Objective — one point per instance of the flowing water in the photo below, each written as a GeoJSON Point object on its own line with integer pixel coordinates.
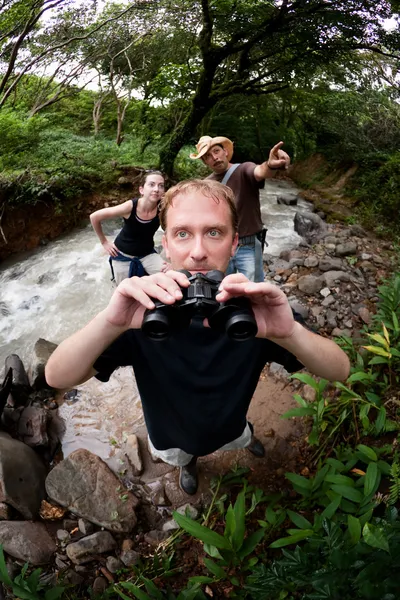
{"type": "Point", "coordinates": [55, 290]}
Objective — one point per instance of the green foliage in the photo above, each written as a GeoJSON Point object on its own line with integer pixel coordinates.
{"type": "Point", "coordinates": [20, 137]}
{"type": "Point", "coordinates": [27, 587]}
{"type": "Point", "coordinates": [360, 563]}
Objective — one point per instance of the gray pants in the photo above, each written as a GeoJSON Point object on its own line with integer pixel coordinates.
{"type": "Point", "coordinates": [179, 458]}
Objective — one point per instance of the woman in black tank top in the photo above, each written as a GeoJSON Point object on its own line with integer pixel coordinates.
{"type": "Point", "coordinates": [133, 249]}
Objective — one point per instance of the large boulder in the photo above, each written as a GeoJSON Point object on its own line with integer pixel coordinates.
{"type": "Point", "coordinates": [41, 354]}
{"type": "Point", "coordinates": [309, 226]}
{"type": "Point", "coordinates": [27, 541]}
{"type": "Point", "coordinates": [22, 477]}
{"type": "Point", "coordinates": [87, 487]}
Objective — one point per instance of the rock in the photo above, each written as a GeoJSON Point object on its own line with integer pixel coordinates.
{"type": "Point", "coordinates": [287, 199]}
{"type": "Point", "coordinates": [188, 510]}
{"type": "Point", "coordinates": [357, 231]}
{"type": "Point", "coordinates": [311, 261]}
{"type": "Point", "coordinates": [156, 493]}
{"type": "Point", "coordinates": [85, 527]}
{"type": "Point", "coordinates": [298, 307]}
{"type": "Point", "coordinates": [20, 387]}
{"type": "Point", "coordinates": [5, 512]}
{"type": "Point", "coordinates": [85, 484]}
{"type": "Point", "coordinates": [341, 332]}
{"type": "Point", "coordinates": [346, 249]}
{"type": "Point", "coordinates": [325, 292]}
{"type": "Point", "coordinates": [41, 354]}
{"type": "Point", "coordinates": [132, 450]}
{"type": "Point", "coordinates": [309, 226]}
{"type": "Point", "coordinates": [32, 426]}
{"type": "Point", "coordinates": [328, 301]}
{"type": "Point", "coordinates": [129, 557]}
{"type": "Point", "coordinates": [331, 319]}
{"type": "Point", "coordinates": [328, 263]}
{"type": "Point", "coordinates": [155, 537]}
{"type": "Point", "coordinates": [330, 277]}
{"type": "Point", "coordinates": [365, 315]}
{"type": "Point", "coordinates": [113, 564]}
{"type": "Point", "coordinates": [22, 477]}
{"type": "Point", "coordinates": [84, 550]}
{"type": "Point", "coordinates": [100, 585]}
{"type": "Point", "coordinates": [308, 393]}
{"type": "Point", "coordinates": [27, 541]}
{"type": "Point", "coordinates": [368, 267]}
{"type": "Point", "coordinates": [72, 578]}
{"type": "Point", "coordinates": [63, 535]}
{"type": "Point", "coordinates": [170, 525]}
{"type": "Point", "coordinates": [310, 284]}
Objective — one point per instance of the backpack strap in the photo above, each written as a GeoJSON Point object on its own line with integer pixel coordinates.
{"type": "Point", "coordinates": [229, 172]}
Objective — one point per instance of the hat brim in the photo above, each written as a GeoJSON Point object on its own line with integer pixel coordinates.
{"type": "Point", "coordinates": [226, 143]}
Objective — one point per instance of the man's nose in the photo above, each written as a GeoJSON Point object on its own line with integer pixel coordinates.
{"type": "Point", "coordinates": [198, 251]}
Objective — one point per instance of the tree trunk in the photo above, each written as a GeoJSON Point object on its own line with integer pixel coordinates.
{"type": "Point", "coordinates": [201, 105]}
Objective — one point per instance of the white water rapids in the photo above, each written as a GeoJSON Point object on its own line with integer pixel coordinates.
{"type": "Point", "coordinates": [55, 290]}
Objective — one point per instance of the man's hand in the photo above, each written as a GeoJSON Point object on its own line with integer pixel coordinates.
{"type": "Point", "coordinates": [110, 248]}
{"type": "Point", "coordinates": [270, 306]}
{"type": "Point", "coordinates": [278, 159]}
{"type": "Point", "coordinates": [131, 298]}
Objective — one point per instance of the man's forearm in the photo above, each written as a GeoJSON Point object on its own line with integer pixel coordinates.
{"type": "Point", "coordinates": [263, 171]}
{"type": "Point", "coordinates": [319, 355]}
{"type": "Point", "coordinates": [72, 361]}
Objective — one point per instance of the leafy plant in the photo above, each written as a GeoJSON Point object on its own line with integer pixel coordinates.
{"type": "Point", "coordinates": [27, 587]}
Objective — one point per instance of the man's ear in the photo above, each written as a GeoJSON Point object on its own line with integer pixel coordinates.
{"type": "Point", "coordinates": [165, 246]}
{"type": "Point", "coordinates": [235, 242]}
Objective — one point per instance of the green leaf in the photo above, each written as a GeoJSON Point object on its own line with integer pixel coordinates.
{"type": "Point", "coordinates": [300, 400]}
{"type": "Point", "coordinates": [250, 543]}
{"type": "Point", "coordinates": [305, 378]}
{"type": "Point", "coordinates": [340, 479]}
{"type": "Point", "coordinates": [214, 568]}
{"type": "Point", "coordinates": [33, 580]}
{"type": "Point", "coordinates": [348, 492]}
{"type": "Point", "coordinates": [372, 478]}
{"type": "Point", "coordinates": [380, 420]}
{"type": "Point", "coordinates": [240, 515]}
{"type": "Point", "coordinates": [270, 515]}
{"type": "Point", "coordinates": [133, 589]}
{"type": "Point", "coordinates": [299, 480]}
{"type": "Point", "coordinates": [152, 588]}
{"type": "Point", "coordinates": [354, 528]}
{"type": "Point", "coordinates": [299, 521]}
{"type": "Point", "coordinates": [298, 412]}
{"type": "Point", "coordinates": [378, 338]}
{"type": "Point", "coordinates": [359, 376]}
{"type": "Point", "coordinates": [332, 507]}
{"type": "Point", "coordinates": [368, 452]}
{"type": "Point", "coordinates": [230, 523]}
{"type": "Point", "coordinates": [339, 466]}
{"type": "Point", "coordinates": [4, 576]}
{"type": "Point", "coordinates": [200, 579]}
{"type": "Point", "coordinates": [373, 536]}
{"type": "Point", "coordinates": [378, 360]}
{"type": "Point", "coordinates": [202, 533]}
{"type": "Point", "coordinates": [54, 593]}
{"type": "Point", "coordinates": [212, 551]}
{"type": "Point", "coordinates": [292, 539]}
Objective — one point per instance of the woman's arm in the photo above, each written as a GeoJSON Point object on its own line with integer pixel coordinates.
{"type": "Point", "coordinates": [96, 218]}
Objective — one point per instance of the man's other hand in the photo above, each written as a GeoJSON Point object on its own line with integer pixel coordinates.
{"type": "Point", "coordinates": [270, 306]}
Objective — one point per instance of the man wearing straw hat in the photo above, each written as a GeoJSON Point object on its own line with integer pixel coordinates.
{"type": "Point", "coordinates": [246, 180]}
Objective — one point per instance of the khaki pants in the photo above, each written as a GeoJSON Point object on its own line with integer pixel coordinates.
{"type": "Point", "coordinates": [152, 263]}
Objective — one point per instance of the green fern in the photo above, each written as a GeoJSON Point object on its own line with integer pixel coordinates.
{"type": "Point", "coordinates": [394, 489]}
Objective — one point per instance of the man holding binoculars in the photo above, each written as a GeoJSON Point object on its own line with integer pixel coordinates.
{"type": "Point", "coordinates": [196, 382]}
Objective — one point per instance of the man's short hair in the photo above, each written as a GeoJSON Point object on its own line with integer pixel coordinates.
{"type": "Point", "coordinates": [207, 187]}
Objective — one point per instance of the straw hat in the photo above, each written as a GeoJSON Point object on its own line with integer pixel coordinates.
{"type": "Point", "coordinates": [206, 142]}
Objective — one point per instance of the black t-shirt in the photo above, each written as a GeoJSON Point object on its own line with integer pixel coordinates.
{"type": "Point", "coordinates": [136, 238]}
{"type": "Point", "coordinates": [196, 386]}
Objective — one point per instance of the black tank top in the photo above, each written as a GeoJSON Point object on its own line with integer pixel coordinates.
{"type": "Point", "coordinates": [136, 237]}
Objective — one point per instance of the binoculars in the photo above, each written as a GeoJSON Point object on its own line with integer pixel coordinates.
{"type": "Point", "coordinates": [234, 317]}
